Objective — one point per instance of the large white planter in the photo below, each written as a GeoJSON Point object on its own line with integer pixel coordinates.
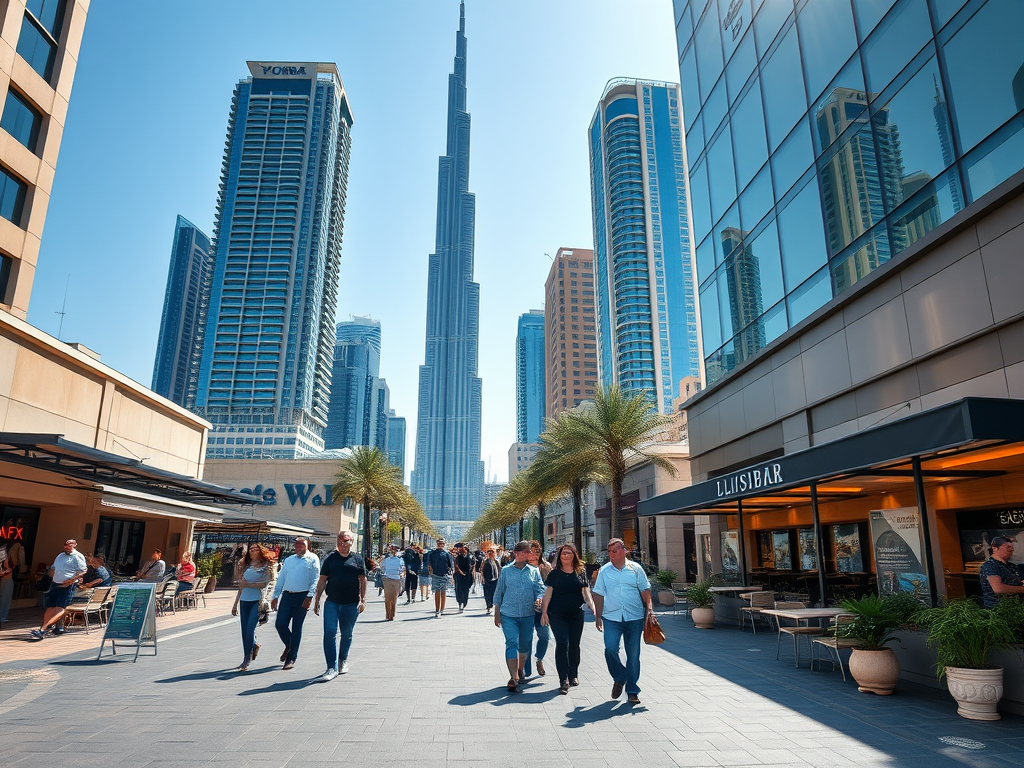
{"type": "Point", "coordinates": [875, 671]}
{"type": "Point", "coordinates": [977, 691]}
{"type": "Point", "coordinates": [703, 618]}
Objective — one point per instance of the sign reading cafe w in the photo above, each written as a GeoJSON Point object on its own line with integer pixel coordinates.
{"type": "Point", "coordinates": [754, 479]}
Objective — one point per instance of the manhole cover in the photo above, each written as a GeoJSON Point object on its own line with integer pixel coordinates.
{"type": "Point", "coordinates": [16, 675]}
{"type": "Point", "coordinates": [959, 741]}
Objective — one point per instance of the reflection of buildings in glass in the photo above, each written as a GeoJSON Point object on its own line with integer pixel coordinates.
{"type": "Point", "coordinates": [924, 217]}
{"type": "Point", "coordinates": [941, 113]}
{"type": "Point", "coordinates": [743, 278]}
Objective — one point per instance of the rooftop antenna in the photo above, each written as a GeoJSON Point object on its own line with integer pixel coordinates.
{"type": "Point", "coordinates": [63, 306]}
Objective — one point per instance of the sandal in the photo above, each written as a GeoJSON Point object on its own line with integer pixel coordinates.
{"type": "Point", "coordinates": [243, 668]}
{"type": "Point", "coordinates": [564, 687]}
{"type": "Point", "coordinates": [255, 650]}
{"type": "Point", "coordinates": [513, 685]}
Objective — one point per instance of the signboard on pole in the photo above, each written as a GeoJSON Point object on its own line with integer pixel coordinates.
{"type": "Point", "coordinates": [898, 545]}
{"type": "Point", "coordinates": [132, 619]}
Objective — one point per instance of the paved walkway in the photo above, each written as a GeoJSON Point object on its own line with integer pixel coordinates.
{"type": "Point", "coordinates": [430, 692]}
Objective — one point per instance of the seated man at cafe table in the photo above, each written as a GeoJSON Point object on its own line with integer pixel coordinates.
{"type": "Point", "coordinates": [153, 569]}
{"type": "Point", "coordinates": [998, 575]}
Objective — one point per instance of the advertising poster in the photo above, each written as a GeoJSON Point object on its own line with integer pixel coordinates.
{"type": "Point", "coordinates": [765, 549]}
{"type": "Point", "coordinates": [847, 543]}
{"type": "Point", "coordinates": [730, 551]}
{"type": "Point", "coordinates": [808, 553]}
{"type": "Point", "coordinates": [783, 558]}
{"type": "Point", "coordinates": [899, 552]}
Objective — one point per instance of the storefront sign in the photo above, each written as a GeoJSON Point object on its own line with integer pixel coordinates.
{"type": "Point", "coordinates": [755, 479]}
{"type": "Point", "coordinates": [899, 546]}
{"type": "Point", "coordinates": [299, 494]}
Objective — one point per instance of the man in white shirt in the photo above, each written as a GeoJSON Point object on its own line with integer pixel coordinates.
{"type": "Point", "coordinates": [393, 568]}
{"type": "Point", "coordinates": [622, 603]}
{"type": "Point", "coordinates": [293, 594]}
{"type": "Point", "coordinates": [67, 570]}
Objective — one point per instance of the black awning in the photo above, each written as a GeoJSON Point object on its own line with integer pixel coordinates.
{"type": "Point", "coordinates": [53, 453]}
{"type": "Point", "coordinates": [951, 426]}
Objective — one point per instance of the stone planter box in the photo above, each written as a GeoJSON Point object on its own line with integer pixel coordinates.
{"type": "Point", "coordinates": [917, 663]}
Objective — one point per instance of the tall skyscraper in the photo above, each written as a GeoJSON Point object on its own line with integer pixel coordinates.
{"type": "Point", "coordinates": [570, 330]}
{"type": "Point", "coordinates": [449, 476]}
{"type": "Point", "coordinates": [530, 403]}
{"type": "Point", "coordinates": [646, 307]}
{"type": "Point", "coordinates": [266, 370]}
{"type": "Point", "coordinates": [359, 401]}
{"type": "Point", "coordinates": [396, 441]}
{"type": "Point", "coordinates": [179, 349]}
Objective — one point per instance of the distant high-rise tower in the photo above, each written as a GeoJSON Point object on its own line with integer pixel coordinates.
{"type": "Point", "coordinates": [530, 405]}
{"type": "Point", "coordinates": [359, 402]}
{"type": "Point", "coordinates": [646, 307]}
{"type": "Point", "coordinates": [266, 369]}
{"type": "Point", "coordinates": [179, 349]}
{"type": "Point", "coordinates": [396, 441]}
{"type": "Point", "coordinates": [570, 329]}
{"type": "Point", "coordinates": [449, 476]}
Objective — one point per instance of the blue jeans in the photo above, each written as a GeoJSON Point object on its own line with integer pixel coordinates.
{"type": "Point", "coordinates": [543, 638]}
{"type": "Point", "coordinates": [290, 612]}
{"type": "Point", "coordinates": [338, 617]}
{"type": "Point", "coordinates": [629, 633]}
{"type": "Point", "coordinates": [518, 633]}
{"type": "Point", "coordinates": [248, 612]}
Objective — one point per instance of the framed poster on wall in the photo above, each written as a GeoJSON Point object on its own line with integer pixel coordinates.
{"type": "Point", "coordinates": [765, 549]}
{"type": "Point", "coordinates": [808, 552]}
{"type": "Point", "coordinates": [780, 545]}
{"type": "Point", "coordinates": [730, 551]}
{"type": "Point", "coordinates": [846, 540]}
{"type": "Point", "coordinates": [898, 545]}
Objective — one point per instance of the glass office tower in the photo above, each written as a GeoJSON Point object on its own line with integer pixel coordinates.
{"type": "Point", "coordinates": [359, 403]}
{"type": "Point", "coordinates": [646, 312]}
{"type": "Point", "coordinates": [449, 476]}
{"type": "Point", "coordinates": [827, 137]}
{"type": "Point", "coordinates": [396, 441]}
{"type": "Point", "coordinates": [266, 369]}
{"type": "Point", "coordinates": [179, 349]}
{"type": "Point", "coordinates": [530, 399]}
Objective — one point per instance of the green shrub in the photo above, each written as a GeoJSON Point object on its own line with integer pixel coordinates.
{"type": "Point", "coordinates": [665, 577]}
{"type": "Point", "coordinates": [700, 595]}
{"type": "Point", "coordinates": [209, 564]}
{"type": "Point", "coordinates": [963, 633]}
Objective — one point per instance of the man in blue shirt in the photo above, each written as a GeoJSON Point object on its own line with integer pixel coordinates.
{"type": "Point", "coordinates": [293, 594]}
{"type": "Point", "coordinates": [66, 571]}
{"type": "Point", "coordinates": [394, 572]}
{"type": "Point", "coordinates": [998, 575]}
{"type": "Point", "coordinates": [516, 600]}
{"type": "Point", "coordinates": [622, 603]}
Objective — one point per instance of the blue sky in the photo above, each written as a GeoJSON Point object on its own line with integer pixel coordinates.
{"type": "Point", "coordinates": [145, 135]}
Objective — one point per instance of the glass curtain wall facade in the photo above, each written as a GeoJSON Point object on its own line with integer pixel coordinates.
{"type": "Point", "coordinates": [179, 348]}
{"type": "Point", "coordinates": [266, 370]}
{"type": "Point", "coordinates": [396, 441]}
{"type": "Point", "coordinates": [825, 137]}
{"type": "Point", "coordinates": [646, 309]}
{"type": "Point", "coordinates": [449, 476]}
{"type": "Point", "coordinates": [359, 402]}
{"type": "Point", "coordinates": [530, 400]}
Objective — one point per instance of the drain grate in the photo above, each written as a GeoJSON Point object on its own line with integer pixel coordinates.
{"type": "Point", "coordinates": [19, 675]}
{"type": "Point", "coordinates": [960, 741]}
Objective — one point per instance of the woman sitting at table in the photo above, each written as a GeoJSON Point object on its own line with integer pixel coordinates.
{"type": "Point", "coordinates": [186, 573]}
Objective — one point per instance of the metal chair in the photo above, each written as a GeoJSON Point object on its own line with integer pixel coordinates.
{"type": "Point", "coordinates": [833, 642]}
{"type": "Point", "coordinates": [94, 604]}
{"type": "Point", "coordinates": [758, 602]}
{"type": "Point", "coordinates": [166, 597]}
{"type": "Point", "coordinates": [796, 632]}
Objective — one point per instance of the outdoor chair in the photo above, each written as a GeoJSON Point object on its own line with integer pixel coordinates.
{"type": "Point", "coordinates": [796, 632]}
{"type": "Point", "coordinates": [94, 605]}
{"type": "Point", "coordinates": [676, 603]}
{"type": "Point", "coordinates": [833, 643]}
{"type": "Point", "coordinates": [190, 597]}
{"type": "Point", "coordinates": [758, 602]}
{"type": "Point", "coordinates": [165, 596]}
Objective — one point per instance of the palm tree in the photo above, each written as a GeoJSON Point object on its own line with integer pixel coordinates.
{"type": "Point", "coordinates": [605, 436]}
{"type": "Point", "coordinates": [368, 477]}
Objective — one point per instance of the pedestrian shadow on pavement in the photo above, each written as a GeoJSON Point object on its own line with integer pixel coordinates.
{"type": "Point", "coordinates": [581, 716]}
{"type": "Point", "coordinates": [218, 674]}
{"type": "Point", "coordinates": [291, 685]}
{"type": "Point", "coordinates": [90, 662]}
{"type": "Point", "coordinates": [500, 696]}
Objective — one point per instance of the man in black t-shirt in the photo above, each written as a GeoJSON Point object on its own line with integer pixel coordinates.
{"type": "Point", "coordinates": [343, 577]}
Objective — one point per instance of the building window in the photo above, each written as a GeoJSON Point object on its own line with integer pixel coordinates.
{"type": "Point", "coordinates": [40, 30]}
{"type": "Point", "coordinates": [12, 197]}
{"type": "Point", "coordinates": [21, 120]}
{"type": "Point", "coordinates": [5, 275]}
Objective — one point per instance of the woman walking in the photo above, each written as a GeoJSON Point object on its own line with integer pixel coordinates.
{"type": "Point", "coordinates": [424, 575]}
{"type": "Point", "coordinates": [489, 573]}
{"type": "Point", "coordinates": [463, 575]}
{"type": "Point", "coordinates": [256, 575]}
{"type": "Point", "coordinates": [536, 559]}
{"type": "Point", "coordinates": [562, 609]}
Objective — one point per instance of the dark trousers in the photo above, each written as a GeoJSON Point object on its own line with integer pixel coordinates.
{"type": "Point", "coordinates": [248, 613]}
{"type": "Point", "coordinates": [410, 584]}
{"type": "Point", "coordinates": [462, 585]}
{"type": "Point", "coordinates": [489, 587]}
{"type": "Point", "coordinates": [568, 630]}
{"type": "Point", "coordinates": [290, 616]}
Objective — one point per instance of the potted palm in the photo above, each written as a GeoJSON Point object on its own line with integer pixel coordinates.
{"type": "Point", "coordinates": [963, 635]}
{"type": "Point", "coordinates": [871, 626]}
{"type": "Point", "coordinates": [664, 579]}
{"type": "Point", "coordinates": [702, 604]}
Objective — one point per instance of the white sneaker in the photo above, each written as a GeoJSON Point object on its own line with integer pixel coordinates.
{"type": "Point", "coordinates": [344, 668]}
{"type": "Point", "coordinates": [437, 614]}
{"type": "Point", "coordinates": [329, 675]}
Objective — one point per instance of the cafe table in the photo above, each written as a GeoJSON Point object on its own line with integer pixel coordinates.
{"type": "Point", "coordinates": [728, 611]}
{"type": "Point", "coordinates": [755, 588]}
{"type": "Point", "coordinates": [801, 616]}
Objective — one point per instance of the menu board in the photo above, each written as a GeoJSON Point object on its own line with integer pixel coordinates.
{"type": "Point", "coordinates": [896, 535]}
{"type": "Point", "coordinates": [132, 618]}
{"type": "Point", "coordinates": [846, 539]}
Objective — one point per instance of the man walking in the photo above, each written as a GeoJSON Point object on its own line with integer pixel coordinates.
{"type": "Point", "coordinates": [413, 563]}
{"type": "Point", "coordinates": [516, 598]}
{"type": "Point", "coordinates": [66, 571]}
{"type": "Point", "coordinates": [343, 577]}
{"type": "Point", "coordinates": [441, 567]}
{"type": "Point", "coordinates": [393, 567]}
{"type": "Point", "coordinates": [622, 603]}
{"type": "Point", "coordinates": [293, 594]}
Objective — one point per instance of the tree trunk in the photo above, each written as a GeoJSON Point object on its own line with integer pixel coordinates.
{"type": "Point", "coordinates": [367, 529]}
{"type": "Point", "coordinates": [616, 503]}
{"type": "Point", "coordinates": [577, 516]}
{"type": "Point", "coordinates": [540, 525]}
